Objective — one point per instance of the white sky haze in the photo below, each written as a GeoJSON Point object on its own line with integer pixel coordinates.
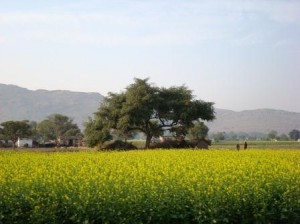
{"type": "Point", "coordinates": [239, 54]}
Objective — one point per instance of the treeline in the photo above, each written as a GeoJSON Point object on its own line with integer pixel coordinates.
{"type": "Point", "coordinates": [293, 135]}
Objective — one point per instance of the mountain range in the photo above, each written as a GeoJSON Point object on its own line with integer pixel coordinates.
{"type": "Point", "coordinates": [259, 120]}
{"type": "Point", "coordinates": [17, 103]}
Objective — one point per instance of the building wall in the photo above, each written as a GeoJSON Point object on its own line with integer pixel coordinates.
{"type": "Point", "coordinates": [24, 142]}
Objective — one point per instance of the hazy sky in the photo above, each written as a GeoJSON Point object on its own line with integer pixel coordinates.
{"type": "Point", "coordinates": [239, 54]}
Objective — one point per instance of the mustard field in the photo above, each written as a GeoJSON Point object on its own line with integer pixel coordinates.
{"type": "Point", "coordinates": [155, 186]}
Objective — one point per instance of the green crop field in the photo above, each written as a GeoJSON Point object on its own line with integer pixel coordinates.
{"type": "Point", "coordinates": [151, 186]}
{"type": "Point", "coordinates": [251, 144]}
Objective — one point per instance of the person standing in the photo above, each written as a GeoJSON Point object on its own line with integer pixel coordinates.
{"type": "Point", "coordinates": [238, 146]}
{"type": "Point", "coordinates": [245, 145]}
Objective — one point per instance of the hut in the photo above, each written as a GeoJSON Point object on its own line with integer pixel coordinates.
{"type": "Point", "coordinates": [70, 141]}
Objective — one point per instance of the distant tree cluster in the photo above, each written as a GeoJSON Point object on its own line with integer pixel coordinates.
{"type": "Point", "coordinates": [272, 135]}
{"type": "Point", "coordinates": [55, 126]}
{"type": "Point", "coordinates": [293, 135]}
{"type": "Point", "coordinates": [233, 136]}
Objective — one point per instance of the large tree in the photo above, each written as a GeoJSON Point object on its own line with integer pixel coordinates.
{"type": "Point", "coordinates": [12, 130]}
{"type": "Point", "coordinates": [57, 125]}
{"type": "Point", "coordinates": [152, 110]}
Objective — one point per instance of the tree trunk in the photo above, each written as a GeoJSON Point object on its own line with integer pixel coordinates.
{"type": "Point", "coordinates": [148, 140]}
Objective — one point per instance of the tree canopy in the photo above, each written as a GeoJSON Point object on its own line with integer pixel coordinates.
{"type": "Point", "coordinates": [294, 134]}
{"type": "Point", "coordinates": [149, 109]}
{"type": "Point", "coordinates": [273, 134]}
{"type": "Point", "coordinates": [12, 130]}
{"type": "Point", "coordinates": [57, 125]}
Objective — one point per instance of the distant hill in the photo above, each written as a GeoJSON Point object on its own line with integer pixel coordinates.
{"type": "Point", "coordinates": [260, 120]}
{"type": "Point", "coordinates": [18, 103]}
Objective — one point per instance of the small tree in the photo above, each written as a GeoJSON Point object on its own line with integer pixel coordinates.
{"type": "Point", "coordinates": [219, 136]}
{"type": "Point", "coordinates": [283, 137]}
{"type": "Point", "coordinates": [57, 125]}
{"type": "Point", "coordinates": [12, 130]}
{"type": "Point", "coordinates": [198, 131]}
{"type": "Point", "coordinates": [272, 135]}
{"type": "Point", "coordinates": [294, 134]}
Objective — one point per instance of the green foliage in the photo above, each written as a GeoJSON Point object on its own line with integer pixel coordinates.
{"type": "Point", "coordinates": [273, 135]}
{"type": "Point", "coordinates": [295, 134]}
{"type": "Point", "coordinates": [12, 130]}
{"type": "Point", "coordinates": [151, 110]}
{"type": "Point", "coordinates": [283, 137]}
{"type": "Point", "coordinates": [96, 133]}
{"type": "Point", "coordinates": [57, 125]}
{"type": "Point", "coordinates": [198, 131]}
{"type": "Point", "coordinates": [46, 130]}
{"type": "Point", "coordinates": [34, 132]}
{"type": "Point", "coordinates": [170, 186]}
{"type": "Point", "coordinates": [219, 136]}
